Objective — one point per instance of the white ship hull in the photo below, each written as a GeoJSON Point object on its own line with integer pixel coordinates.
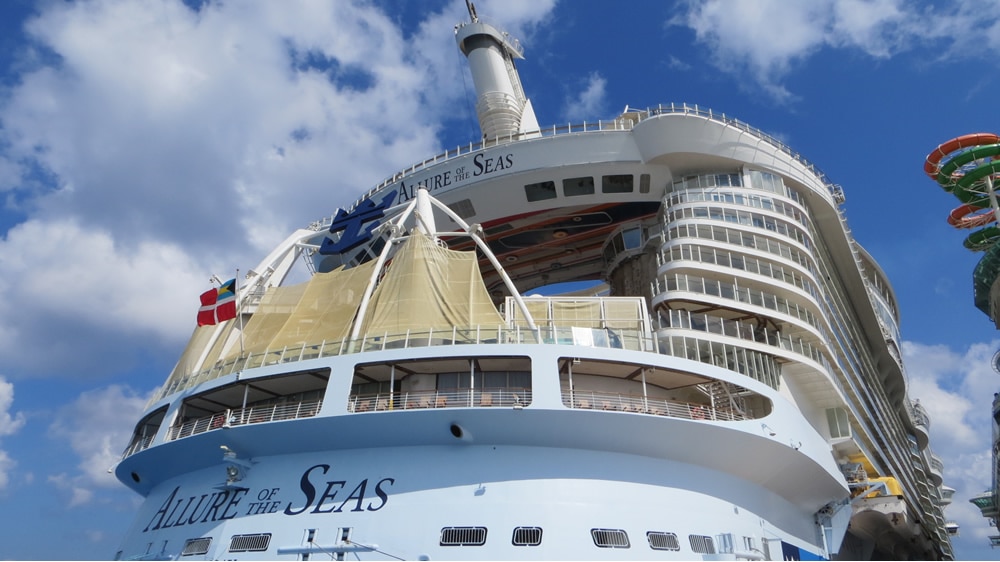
{"type": "Point", "coordinates": [401, 476]}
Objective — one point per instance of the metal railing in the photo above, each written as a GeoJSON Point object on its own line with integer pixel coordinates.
{"type": "Point", "coordinates": [636, 403]}
{"type": "Point", "coordinates": [488, 397]}
{"type": "Point", "coordinates": [137, 445]}
{"type": "Point", "coordinates": [243, 416]}
{"type": "Point", "coordinates": [617, 338]}
{"type": "Point", "coordinates": [626, 122]}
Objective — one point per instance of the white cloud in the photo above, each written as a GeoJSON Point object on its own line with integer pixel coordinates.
{"type": "Point", "coordinates": [768, 39]}
{"type": "Point", "coordinates": [74, 294]}
{"type": "Point", "coordinates": [589, 101]}
{"type": "Point", "coordinates": [956, 388]}
{"type": "Point", "coordinates": [152, 146]}
{"type": "Point", "coordinates": [9, 424]}
{"type": "Point", "coordinates": [7, 465]}
{"type": "Point", "coordinates": [96, 427]}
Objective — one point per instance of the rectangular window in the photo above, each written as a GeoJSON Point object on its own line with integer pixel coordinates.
{"type": "Point", "coordinates": [527, 536]}
{"type": "Point", "coordinates": [463, 208]}
{"type": "Point", "coordinates": [463, 536]}
{"type": "Point", "coordinates": [250, 543]}
{"type": "Point", "coordinates": [578, 186]}
{"type": "Point", "coordinates": [663, 541]}
{"type": "Point", "coordinates": [540, 191]}
{"type": "Point", "coordinates": [194, 547]}
{"type": "Point", "coordinates": [632, 238]}
{"type": "Point", "coordinates": [701, 544]}
{"type": "Point", "coordinates": [620, 183]}
{"type": "Point", "coordinates": [840, 425]}
{"type": "Point", "coordinates": [644, 183]}
{"type": "Point", "coordinates": [610, 538]}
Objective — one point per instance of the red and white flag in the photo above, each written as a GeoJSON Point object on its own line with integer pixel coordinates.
{"type": "Point", "coordinates": [218, 305]}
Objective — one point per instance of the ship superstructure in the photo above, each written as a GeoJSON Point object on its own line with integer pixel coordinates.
{"type": "Point", "coordinates": [734, 390]}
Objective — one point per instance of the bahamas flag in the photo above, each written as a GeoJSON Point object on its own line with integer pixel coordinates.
{"type": "Point", "coordinates": [218, 305]}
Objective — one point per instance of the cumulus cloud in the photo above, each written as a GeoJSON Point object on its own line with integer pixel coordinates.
{"type": "Point", "coordinates": [766, 40]}
{"type": "Point", "coordinates": [96, 427]}
{"type": "Point", "coordinates": [151, 145]}
{"type": "Point", "coordinates": [589, 101]}
{"type": "Point", "coordinates": [10, 423]}
{"type": "Point", "coordinates": [956, 388]}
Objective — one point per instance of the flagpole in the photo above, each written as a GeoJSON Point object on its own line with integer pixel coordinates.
{"type": "Point", "coordinates": [239, 309]}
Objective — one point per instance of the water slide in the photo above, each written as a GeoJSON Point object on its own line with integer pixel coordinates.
{"type": "Point", "coordinates": [966, 167]}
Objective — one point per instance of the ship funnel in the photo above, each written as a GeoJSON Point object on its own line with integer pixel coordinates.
{"type": "Point", "coordinates": [501, 105]}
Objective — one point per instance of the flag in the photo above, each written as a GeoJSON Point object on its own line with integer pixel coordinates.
{"type": "Point", "coordinates": [218, 305]}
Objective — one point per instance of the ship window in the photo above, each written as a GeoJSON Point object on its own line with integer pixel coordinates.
{"type": "Point", "coordinates": [257, 542]}
{"type": "Point", "coordinates": [644, 183]}
{"type": "Point", "coordinates": [527, 536]}
{"type": "Point", "coordinates": [193, 547]}
{"type": "Point", "coordinates": [701, 544]}
{"type": "Point", "coordinates": [619, 183]}
{"type": "Point", "coordinates": [463, 536]}
{"type": "Point", "coordinates": [540, 191]}
{"type": "Point", "coordinates": [463, 208]}
{"type": "Point", "coordinates": [840, 425]}
{"type": "Point", "coordinates": [610, 538]}
{"type": "Point", "coordinates": [632, 238]}
{"type": "Point", "coordinates": [578, 186]}
{"type": "Point", "coordinates": [145, 431]}
{"type": "Point", "coordinates": [663, 541]}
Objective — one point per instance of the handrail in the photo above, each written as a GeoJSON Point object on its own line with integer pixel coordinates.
{"type": "Point", "coordinates": [620, 338]}
{"type": "Point", "coordinates": [626, 122]}
{"type": "Point", "coordinates": [232, 417]}
{"type": "Point", "coordinates": [496, 397]}
{"type": "Point", "coordinates": [637, 403]}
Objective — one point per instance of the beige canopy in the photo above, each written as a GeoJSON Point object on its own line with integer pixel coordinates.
{"type": "Point", "coordinates": [428, 287]}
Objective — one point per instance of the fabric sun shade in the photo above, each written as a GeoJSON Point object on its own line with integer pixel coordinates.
{"type": "Point", "coordinates": [218, 305]}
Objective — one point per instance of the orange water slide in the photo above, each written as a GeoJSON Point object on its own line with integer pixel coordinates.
{"type": "Point", "coordinates": [933, 162]}
{"type": "Point", "coordinates": [970, 216]}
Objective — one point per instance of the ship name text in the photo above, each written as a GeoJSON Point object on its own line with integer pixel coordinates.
{"type": "Point", "coordinates": [337, 496]}
{"type": "Point", "coordinates": [481, 165]}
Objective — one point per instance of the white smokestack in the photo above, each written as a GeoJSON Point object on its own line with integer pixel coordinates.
{"type": "Point", "coordinates": [501, 105]}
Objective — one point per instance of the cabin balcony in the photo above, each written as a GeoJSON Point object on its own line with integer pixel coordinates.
{"type": "Point", "coordinates": [636, 403]}
{"type": "Point", "coordinates": [443, 398]}
{"type": "Point", "coordinates": [244, 416]}
{"type": "Point", "coordinates": [937, 469]}
{"type": "Point", "coordinates": [616, 338]}
{"type": "Point", "coordinates": [921, 423]}
{"type": "Point", "coordinates": [987, 504]}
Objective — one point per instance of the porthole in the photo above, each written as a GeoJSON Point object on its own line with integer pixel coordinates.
{"type": "Point", "coordinates": [610, 538]}
{"type": "Point", "coordinates": [527, 536]}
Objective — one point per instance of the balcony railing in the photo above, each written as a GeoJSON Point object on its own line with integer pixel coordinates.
{"type": "Point", "coordinates": [137, 445]}
{"type": "Point", "coordinates": [626, 122]}
{"type": "Point", "coordinates": [243, 416]}
{"type": "Point", "coordinates": [451, 398]}
{"type": "Point", "coordinates": [636, 403]}
{"type": "Point", "coordinates": [631, 339]}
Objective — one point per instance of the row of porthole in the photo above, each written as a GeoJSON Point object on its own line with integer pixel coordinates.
{"type": "Point", "coordinates": [603, 538]}
{"type": "Point", "coordinates": [256, 542]}
{"type": "Point", "coordinates": [476, 536]}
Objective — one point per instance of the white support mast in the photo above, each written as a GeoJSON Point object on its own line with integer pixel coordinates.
{"type": "Point", "coordinates": [423, 207]}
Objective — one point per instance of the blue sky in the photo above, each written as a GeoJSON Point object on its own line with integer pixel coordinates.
{"type": "Point", "coordinates": [147, 145]}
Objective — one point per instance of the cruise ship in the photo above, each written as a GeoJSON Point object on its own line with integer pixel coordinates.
{"type": "Point", "coordinates": [415, 377]}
